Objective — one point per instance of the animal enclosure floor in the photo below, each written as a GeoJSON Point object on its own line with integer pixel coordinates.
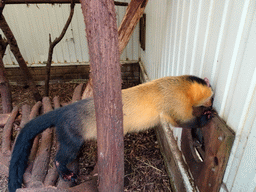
{"type": "Point", "coordinates": [144, 165]}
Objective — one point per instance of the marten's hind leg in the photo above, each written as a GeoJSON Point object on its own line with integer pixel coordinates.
{"type": "Point", "coordinates": [67, 152]}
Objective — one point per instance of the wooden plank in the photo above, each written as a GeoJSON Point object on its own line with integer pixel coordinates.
{"type": "Point", "coordinates": [132, 16]}
{"type": "Point", "coordinates": [218, 140]}
{"type": "Point", "coordinates": [174, 162]}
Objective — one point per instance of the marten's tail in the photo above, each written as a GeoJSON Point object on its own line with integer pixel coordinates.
{"type": "Point", "coordinates": [24, 142]}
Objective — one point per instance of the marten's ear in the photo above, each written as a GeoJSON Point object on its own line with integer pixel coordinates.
{"type": "Point", "coordinates": [207, 82]}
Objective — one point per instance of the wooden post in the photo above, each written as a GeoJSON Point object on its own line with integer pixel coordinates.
{"type": "Point", "coordinates": [102, 36]}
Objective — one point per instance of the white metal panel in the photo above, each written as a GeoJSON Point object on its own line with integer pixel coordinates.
{"type": "Point", "coordinates": [214, 39]}
{"type": "Point", "coordinates": [32, 24]}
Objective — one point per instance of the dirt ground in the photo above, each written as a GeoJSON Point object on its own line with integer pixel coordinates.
{"type": "Point", "coordinates": [144, 166]}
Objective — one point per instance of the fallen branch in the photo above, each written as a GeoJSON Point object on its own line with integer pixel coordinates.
{"type": "Point", "coordinates": [43, 189]}
{"type": "Point", "coordinates": [33, 114]}
{"type": "Point", "coordinates": [52, 45]}
{"type": "Point", "coordinates": [77, 93]}
{"type": "Point", "coordinates": [25, 111]}
{"type": "Point", "coordinates": [88, 186]}
{"type": "Point", "coordinates": [4, 118]}
{"type": "Point", "coordinates": [7, 133]}
{"type": "Point", "coordinates": [5, 87]}
{"type": "Point", "coordinates": [52, 175]}
{"type": "Point", "coordinates": [4, 164]}
{"type": "Point", "coordinates": [40, 166]}
{"type": "Point", "coordinates": [88, 90]}
{"type": "Point", "coordinates": [56, 102]}
{"type": "Point", "coordinates": [27, 175]}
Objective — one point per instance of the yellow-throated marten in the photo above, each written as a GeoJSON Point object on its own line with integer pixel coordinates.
{"type": "Point", "coordinates": [183, 101]}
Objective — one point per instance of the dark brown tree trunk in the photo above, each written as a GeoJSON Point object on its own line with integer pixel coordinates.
{"type": "Point", "coordinates": [53, 44]}
{"type": "Point", "coordinates": [16, 52]}
{"type": "Point", "coordinates": [5, 89]}
{"type": "Point", "coordinates": [102, 36]}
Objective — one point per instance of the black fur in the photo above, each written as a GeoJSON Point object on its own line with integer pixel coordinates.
{"type": "Point", "coordinates": [202, 116]}
{"type": "Point", "coordinates": [196, 79]}
{"type": "Point", "coordinates": [66, 120]}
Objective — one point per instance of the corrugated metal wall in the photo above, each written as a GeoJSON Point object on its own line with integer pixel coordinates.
{"type": "Point", "coordinates": [32, 24]}
{"type": "Point", "coordinates": [214, 39]}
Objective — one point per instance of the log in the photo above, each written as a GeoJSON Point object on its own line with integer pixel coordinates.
{"type": "Point", "coordinates": [7, 132]}
{"type": "Point", "coordinates": [132, 16]}
{"type": "Point", "coordinates": [5, 88]}
{"type": "Point", "coordinates": [102, 36]}
{"type": "Point", "coordinates": [77, 93]}
{"type": "Point", "coordinates": [52, 175]}
{"type": "Point", "coordinates": [88, 90]}
{"type": "Point", "coordinates": [56, 102]}
{"type": "Point", "coordinates": [33, 114]}
{"type": "Point", "coordinates": [4, 164]}
{"type": "Point", "coordinates": [4, 118]}
{"type": "Point", "coordinates": [27, 175]}
{"type": "Point", "coordinates": [88, 186]}
{"type": "Point", "coordinates": [41, 163]}
{"type": "Point", "coordinates": [42, 189]}
{"type": "Point", "coordinates": [25, 112]}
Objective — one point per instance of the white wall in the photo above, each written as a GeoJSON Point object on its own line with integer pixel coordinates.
{"type": "Point", "coordinates": [214, 39]}
{"type": "Point", "coordinates": [32, 24]}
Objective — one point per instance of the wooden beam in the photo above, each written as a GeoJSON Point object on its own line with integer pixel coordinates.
{"type": "Point", "coordinates": [102, 37]}
{"type": "Point", "coordinates": [132, 16]}
{"type": "Point", "coordinates": [117, 3]}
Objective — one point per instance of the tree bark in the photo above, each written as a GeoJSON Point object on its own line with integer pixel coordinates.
{"type": "Point", "coordinates": [53, 175]}
{"type": "Point", "coordinates": [53, 44]}
{"type": "Point", "coordinates": [33, 114]}
{"type": "Point", "coordinates": [5, 89]}
{"type": "Point", "coordinates": [4, 118]}
{"type": "Point", "coordinates": [77, 93]}
{"type": "Point", "coordinates": [40, 166]}
{"type": "Point", "coordinates": [16, 52]}
{"type": "Point", "coordinates": [102, 36]}
{"type": "Point", "coordinates": [7, 133]}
